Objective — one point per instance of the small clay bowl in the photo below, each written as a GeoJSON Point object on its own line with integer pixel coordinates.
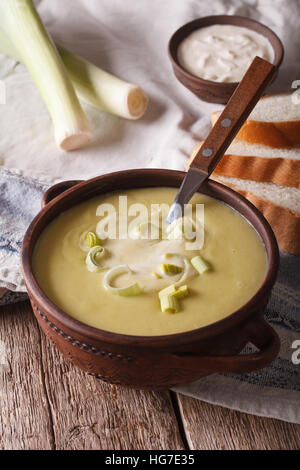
{"type": "Point", "coordinates": [154, 362]}
{"type": "Point", "coordinates": [207, 90]}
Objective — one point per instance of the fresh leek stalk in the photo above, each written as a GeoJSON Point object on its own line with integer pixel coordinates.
{"type": "Point", "coordinates": [6, 46]}
{"type": "Point", "coordinates": [24, 28]}
{"type": "Point", "coordinates": [92, 84]}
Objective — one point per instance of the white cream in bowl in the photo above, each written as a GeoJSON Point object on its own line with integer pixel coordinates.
{"type": "Point", "coordinates": [222, 52]}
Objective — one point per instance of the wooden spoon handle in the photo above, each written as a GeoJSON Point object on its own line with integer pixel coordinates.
{"type": "Point", "coordinates": [234, 115]}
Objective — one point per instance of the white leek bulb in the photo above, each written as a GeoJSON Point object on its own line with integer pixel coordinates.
{"type": "Point", "coordinates": [103, 90]}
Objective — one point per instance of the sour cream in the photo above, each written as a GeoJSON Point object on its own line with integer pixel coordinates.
{"type": "Point", "coordinates": [222, 53]}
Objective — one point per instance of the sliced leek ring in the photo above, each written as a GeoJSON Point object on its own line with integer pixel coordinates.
{"type": "Point", "coordinates": [128, 291]}
{"type": "Point", "coordinates": [92, 239]}
{"type": "Point", "coordinates": [185, 271]}
{"type": "Point", "coordinates": [92, 258]}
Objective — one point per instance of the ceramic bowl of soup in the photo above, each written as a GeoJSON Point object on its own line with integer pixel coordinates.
{"type": "Point", "coordinates": [129, 339]}
{"type": "Point", "coordinates": [209, 55]}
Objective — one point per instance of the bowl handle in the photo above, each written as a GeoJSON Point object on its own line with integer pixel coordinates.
{"type": "Point", "coordinates": [57, 189]}
{"type": "Point", "coordinates": [258, 332]}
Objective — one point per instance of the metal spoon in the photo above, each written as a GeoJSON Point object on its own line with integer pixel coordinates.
{"type": "Point", "coordinates": [238, 108]}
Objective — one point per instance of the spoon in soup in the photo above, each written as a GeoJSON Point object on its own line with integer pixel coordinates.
{"type": "Point", "coordinates": [238, 108]}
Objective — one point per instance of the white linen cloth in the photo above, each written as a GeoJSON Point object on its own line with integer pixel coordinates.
{"type": "Point", "coordinates": [129, 38]}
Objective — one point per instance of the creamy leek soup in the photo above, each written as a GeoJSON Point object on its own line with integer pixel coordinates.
{"type": "Point", "coordinates": [155, 280]}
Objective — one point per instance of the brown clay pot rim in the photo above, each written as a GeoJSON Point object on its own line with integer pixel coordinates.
{"type": "Point", "coordinates": [198, 23]}
{"type": "Point", "coordinates": [150, 341]}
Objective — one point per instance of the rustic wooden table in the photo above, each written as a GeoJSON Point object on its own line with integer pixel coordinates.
{"type": "Point", "coordinates": [46, 403]}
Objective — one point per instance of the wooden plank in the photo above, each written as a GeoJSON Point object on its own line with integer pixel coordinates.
{"type": "Point", "coordinates": [25, 419]}
{"type": "Point", "coordinates": [214, 427]}
{"type": "Point", "coordinates": [89, 414]}
{"type": "Point", "coordinates": [46, 403]}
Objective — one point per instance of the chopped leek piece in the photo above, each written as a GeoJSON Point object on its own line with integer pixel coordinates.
{"type": "Point", "coordinates": [92, 239]}
{"type": "Point", "coordinates": [181, 292]}
{"type": "Point", "coordinates": [200, 264]}
{"type": "Point", "coordinates": [171, 269]}
{"type": "Point", "coordinates": [128, 291]}
{"type": "Point", "coordinates": [169, 304]}
{"type": "Point", "coordinates": [186, 268]}
{"type": "Point", "coordinates": [174, 291]}
{"type": "Point", "coordinates": [169, 298]}
{"type": "Point", "coordinates": [167, 291]}
{"type": "Point", "coordinates": [155, 274]}
{"type": "Point", "coordinates": [24, 28]}
{"type": "Point", "coordinates": [92, 259]}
